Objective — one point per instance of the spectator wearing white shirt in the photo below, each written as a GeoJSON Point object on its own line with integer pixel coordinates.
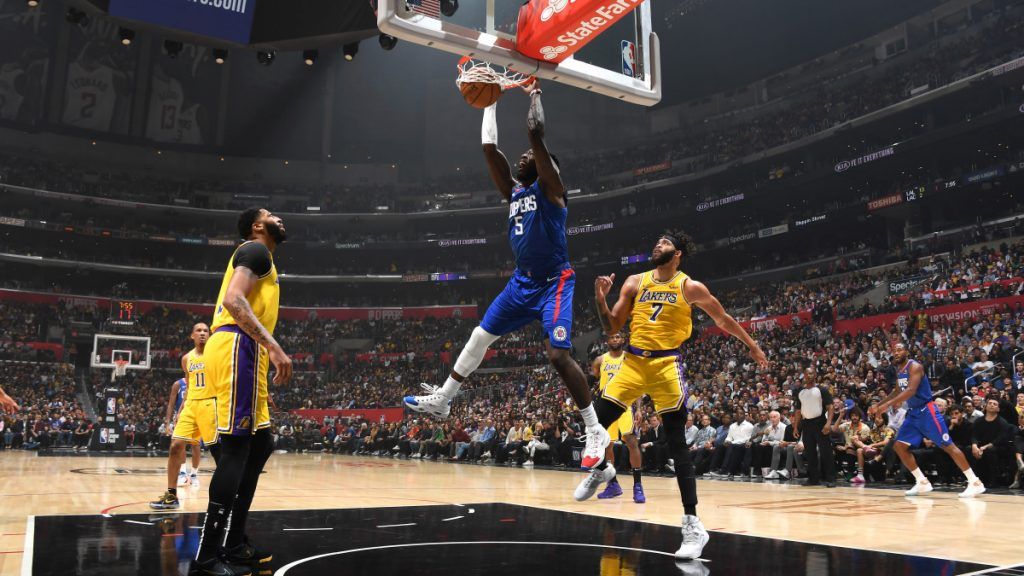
{"type": "Point", "coordinates": [771, 446]}
{"type": "Point", "coordinates": [737, 447]}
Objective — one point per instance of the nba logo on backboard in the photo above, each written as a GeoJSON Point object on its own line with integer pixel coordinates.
{"type": "Point", "coordinates": [104, 434]}
{"type": "Point", "coordinates": [111, 405]}
{"type": "Point", "coordinates": [629, 58]}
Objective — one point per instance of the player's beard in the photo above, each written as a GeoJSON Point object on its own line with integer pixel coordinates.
{"type": "Point", "coordinates": [662, 258]}
{"type": "Point", "coordinates": [275, 232]}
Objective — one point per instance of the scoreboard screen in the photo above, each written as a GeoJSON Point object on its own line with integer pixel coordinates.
{"type": "Point", "coordinates": [225, 19]}
{"type": "Point", "coordinates": [123, 311]}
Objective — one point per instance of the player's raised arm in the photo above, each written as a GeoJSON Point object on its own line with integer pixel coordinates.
{"type": "Point", "coordinates": [7, 404]}
{"type": "Point", "coordinates": [595, 368]}
{"type": "Point", "coordinates": [547, 171]}
{"type": "Point", "coordinates": [697, 294]}
{"type": "Point", "coordinates": [497, 163]}
{"type": "Point", "coordinates": [612, 320]}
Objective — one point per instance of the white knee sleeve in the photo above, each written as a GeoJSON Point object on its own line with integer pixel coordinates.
{"type": "Point", "coordinates": [473, 354]}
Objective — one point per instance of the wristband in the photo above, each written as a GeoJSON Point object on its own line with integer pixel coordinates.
{"type": "Point", "coordinates": [489, 127]}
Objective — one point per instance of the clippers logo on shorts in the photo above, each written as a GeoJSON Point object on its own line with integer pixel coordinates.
{"type": "Point", "coordinates": [560, 333]}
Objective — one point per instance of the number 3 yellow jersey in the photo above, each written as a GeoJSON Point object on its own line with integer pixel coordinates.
{"type": "Point", "coordinates": [661, 318]}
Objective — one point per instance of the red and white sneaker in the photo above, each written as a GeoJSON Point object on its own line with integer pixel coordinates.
{"type": "Point", "coordinates": [593, 453]}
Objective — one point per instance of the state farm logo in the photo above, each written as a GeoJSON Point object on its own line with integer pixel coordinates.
{"type": "Point", "coordinates": [552, 52]}
{"type": "Point", "coordinates": [554, 7]}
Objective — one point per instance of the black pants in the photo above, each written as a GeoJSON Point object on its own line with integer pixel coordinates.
{"type": "Point", "coordinates": [817, 446]}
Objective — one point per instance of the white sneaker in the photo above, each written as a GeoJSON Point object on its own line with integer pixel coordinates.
{"type": "Point", "coordinates": [593, 454]}
{"type": "Point", "coordinates": [528, 463]}
{"type": "Point", "coordinates": [194, 481]}
{"type": "Point", "coordinates": [973, 489]}
{"type": "Point", "coordinates": [773, 475]}
{"type": "Point", "coordinates": [588, 487]}
{"type": "Point", "coordinates": [182, 479]}
{"type": "Point", "coordinates": [695, 538]}
{"type": "Point", "coordinates": [784, 474]}
{"type": "Point", "coordinates": [692, 568]}
{"type": "Point", "coordinates": [920, 488]}
{"type": "Point", "coordinates": [435, 403]}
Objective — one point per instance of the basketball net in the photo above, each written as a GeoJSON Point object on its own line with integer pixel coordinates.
{"type": "Point", "coordinates": [472, 70]}
{"type": "Point", "coordinates": [120, 369]}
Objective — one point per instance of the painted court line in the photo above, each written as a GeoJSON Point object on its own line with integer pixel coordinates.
{"type": "Point", "coordinates": [396, 525]}
{"type": "Point", "coordinates": [452, 518]}
{"type": "Point", "coordinates": [283, 571]}
{"type": "Point", "coordinates": [30, 538]}
{"type": "Point", "coordinates": [137, 522]}
{"type": "Point", "coordinates": [305, 529]}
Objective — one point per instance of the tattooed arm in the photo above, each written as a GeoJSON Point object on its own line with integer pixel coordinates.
{"type": "Point", "coordinates": [243, 282]}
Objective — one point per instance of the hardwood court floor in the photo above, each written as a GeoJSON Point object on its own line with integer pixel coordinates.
{"type": "Point", "coordinates": [939, 526]}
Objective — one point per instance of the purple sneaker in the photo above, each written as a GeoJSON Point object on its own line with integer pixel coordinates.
{"type": "Point", "coordinates": [612, 490]}
{"type": "Point", "coordinates": [638, 494]}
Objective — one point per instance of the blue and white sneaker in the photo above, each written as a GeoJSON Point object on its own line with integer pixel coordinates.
{"type": "Point", "coordinates": [436, 404]}
{"type": "Point", "coordinates": [182, 478]}
{"type": "Point", "coordinates": [194, 480]}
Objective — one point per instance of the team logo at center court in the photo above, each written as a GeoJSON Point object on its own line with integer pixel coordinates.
{"type": "Point", "coordinates": [554, 7]}
{"type": "Point", "coordinates": [560, 333]}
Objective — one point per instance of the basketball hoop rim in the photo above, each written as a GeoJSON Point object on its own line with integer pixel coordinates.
{"type": "Point", "coordinates": [477, 70]}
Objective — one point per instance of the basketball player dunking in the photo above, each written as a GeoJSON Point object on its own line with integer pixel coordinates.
{"type": "Point", "coordinates": [543, 283]}
{"type": "Point", "coordinates": [922, 421]}
{"type": "Point", "coordinates": [238, 357]}
{"type": "Point", "coordinates": [658, 305]}
{"type": "Point", "coordinates": [605, 368]}
{"type": "Point", "coordinates": [185, 413]}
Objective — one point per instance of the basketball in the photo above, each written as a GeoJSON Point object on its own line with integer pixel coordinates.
{"type": "Point", "coordinates": [480, 94]}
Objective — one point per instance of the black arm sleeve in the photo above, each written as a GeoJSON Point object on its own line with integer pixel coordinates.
{"type": "Point", "coordinates": [255, 257]}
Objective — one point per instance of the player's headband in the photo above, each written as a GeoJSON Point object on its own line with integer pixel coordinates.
{"type": "Point", "coordinates": [676, 241]}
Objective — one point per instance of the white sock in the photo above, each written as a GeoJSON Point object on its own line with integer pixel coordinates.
{"type": "Point", "coordinates": [450, 388]}
{"type": "Point", "coordinates": [921, 479]}
{"type": "Point", "coordinates": [971, 477]}
{"type": "Point", "coordinates": [590, 416]}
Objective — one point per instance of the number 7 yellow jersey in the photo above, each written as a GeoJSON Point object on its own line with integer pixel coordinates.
{"type": "Point", "coordinates": [661, 317]}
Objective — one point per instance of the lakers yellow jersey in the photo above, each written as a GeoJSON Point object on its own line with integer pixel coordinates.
{"type": "Point", "coordinates": [265, 299]}
{"type": "Point", "coordinates": [661, 318]}
{"type": "Point", "coordinates": [196, 376]}
{"type": "Point", "coordinates": [609, 368]}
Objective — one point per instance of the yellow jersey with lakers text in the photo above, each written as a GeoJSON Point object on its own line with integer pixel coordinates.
{"type": "Point", "coordinates": [264, 298]}
{"type": "Point", "coordinates": [661, 318]}
{"type": "Point", "coordinates": [196, 376]}
{"type": "Point", "coordinates": [609, 368]}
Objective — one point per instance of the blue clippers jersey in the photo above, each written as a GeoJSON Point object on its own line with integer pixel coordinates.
{"type": "Point", "coordinates": [536, 231]}
{"type": "Point", "coordinates": [182, 389]}
{"type": "Point", "coordinates": [924, 390]}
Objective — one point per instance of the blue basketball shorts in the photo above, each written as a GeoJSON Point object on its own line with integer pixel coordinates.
{"type": "Point", "coordinates": [924, 422]}
{"type": "Point", "coordinates": [525, 299]}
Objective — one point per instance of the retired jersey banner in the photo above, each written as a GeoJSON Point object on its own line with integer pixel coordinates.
{"type": "Point", "coordinates": [553, 30]}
